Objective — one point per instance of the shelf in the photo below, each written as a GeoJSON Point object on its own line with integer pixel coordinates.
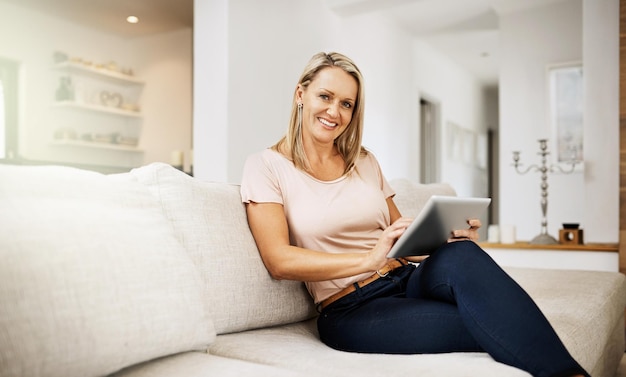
{"type": "Point", "coordinates": [100, 73]}
{"type": "Point", "coordinates": [611, 247]}
{"type": "Point", "coordinates": [98, 108]}
{"type": "Point", "coordinates": [93, 144]}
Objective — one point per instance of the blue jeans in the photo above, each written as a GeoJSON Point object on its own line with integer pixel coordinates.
{"type": "Point", "coordinates": [457, 300]}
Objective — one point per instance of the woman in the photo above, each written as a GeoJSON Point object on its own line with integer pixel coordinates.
{"type": "Point", "coordinates": [322, 212]}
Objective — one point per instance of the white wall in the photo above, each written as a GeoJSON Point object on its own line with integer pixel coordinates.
{"type": "Point", "coordinates": [530, 41]}
{"type": "Point", "coordinates": [462, 102]}
{"type": "Point", "coordinates": [601, 136]}
{"type": "Point", "coordinates": [210, 89]}
{"type": "Point", "coordinates": [265, 58]}
{"type": "Point", "coordinates": [164, 62]}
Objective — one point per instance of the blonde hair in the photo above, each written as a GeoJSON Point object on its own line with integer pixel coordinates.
{"type": "Point", "coordinates": [349, 142]}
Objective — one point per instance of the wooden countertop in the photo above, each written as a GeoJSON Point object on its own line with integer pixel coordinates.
{"type": "Point", "coordinates": [611, 247]}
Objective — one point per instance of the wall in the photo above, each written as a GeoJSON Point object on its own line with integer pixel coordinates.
{"type": "Point", "coordinates": [462, 102]}
{"type": "Point", "coordinates": [264, 63]}
{"type": "Point", "coordinates": [528, 41]}
{"type": "Point", "coordinates": [601, 137]}
{"type": "Point", "coordinates": [164, 62]}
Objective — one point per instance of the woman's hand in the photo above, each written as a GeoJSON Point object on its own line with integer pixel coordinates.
{"type": "Point", "coordinates": [378, 256]}
{"type": "Point", "coordinates": [466, 234]}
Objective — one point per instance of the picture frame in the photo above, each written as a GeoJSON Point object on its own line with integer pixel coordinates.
{"type": "Point", "coordinates": [455, 142]}
{"type": "Point", "coordinates": [565, 111]}
{"type": "Point", "coordinates": [481, 151]}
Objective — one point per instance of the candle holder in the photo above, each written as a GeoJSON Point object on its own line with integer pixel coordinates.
{"type": "Point", "coordinates": [543, 238]}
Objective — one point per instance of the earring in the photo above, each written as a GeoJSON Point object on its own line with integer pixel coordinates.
{"type": "Point", "coordinates": [300, 106]}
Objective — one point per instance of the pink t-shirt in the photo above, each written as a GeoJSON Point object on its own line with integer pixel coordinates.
{"type": "Point", "coordinates": [346, 215]}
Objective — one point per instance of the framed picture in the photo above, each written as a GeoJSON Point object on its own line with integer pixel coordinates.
{"type": "Point", "coordinates": [565, 93]}
{"type": "Point", "coordinates": [469, 147]}
{"type": "Point", "coordinates": [464, 146]}
{"type": "Point", "coordinates": [481, 150]}
{"type": "Point", "coordinates": [455, 142]}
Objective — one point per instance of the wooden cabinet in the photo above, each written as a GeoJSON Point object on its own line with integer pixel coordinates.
{"type": "Point", "coordinates": [597, 257]}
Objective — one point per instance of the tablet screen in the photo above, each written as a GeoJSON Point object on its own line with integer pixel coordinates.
{"type": "Point", "coordinates": [433, 225]}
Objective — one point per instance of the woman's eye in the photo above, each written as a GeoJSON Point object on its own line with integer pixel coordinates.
{"type": "Point", "coordinates": [347, 105]}
{"type": "Point", "coordinates": [324, 96]}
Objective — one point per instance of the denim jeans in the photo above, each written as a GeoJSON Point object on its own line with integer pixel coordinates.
{"type": "Point", "coordinates": [457, 300]}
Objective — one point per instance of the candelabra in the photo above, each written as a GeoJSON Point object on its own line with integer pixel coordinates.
{"type": "Point", "coordinates": [543, 238]}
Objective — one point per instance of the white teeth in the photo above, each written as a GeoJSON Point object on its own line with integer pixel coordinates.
{"type": "Point", "coordinates": [327, 123]}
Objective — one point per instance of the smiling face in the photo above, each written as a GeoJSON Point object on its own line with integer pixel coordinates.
{"type": "Point", "coordinates": [328, 103]}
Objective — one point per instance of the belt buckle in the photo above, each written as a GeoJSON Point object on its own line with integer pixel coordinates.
{"type": "Point", "coordinates": [389, 269]}
{"type": "Point", "coordinates": [382, 275]}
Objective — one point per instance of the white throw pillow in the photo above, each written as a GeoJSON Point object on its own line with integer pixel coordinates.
{"type": "Point", "coordinates": [412, 197]}
{"type": "Point", "coordinates": [210, 220]}
{"type": "Point", "coordinates": [92, 278]}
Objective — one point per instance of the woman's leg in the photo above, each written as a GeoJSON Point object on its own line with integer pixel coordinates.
{"type": "Point", "coordinates": [378, 318]}
{"type": "Point", "coordinates": [498, 313]}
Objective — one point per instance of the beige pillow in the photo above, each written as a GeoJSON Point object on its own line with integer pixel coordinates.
{"type": "Point", "coordinates": [210, 220]}
{"type": "Point", "coordinates": [92, 278]}
{"type": "Point", "coordinates": [412, 197]}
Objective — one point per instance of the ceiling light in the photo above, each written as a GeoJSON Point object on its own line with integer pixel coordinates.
{"type": "Point", "coordinates": [132, 19]}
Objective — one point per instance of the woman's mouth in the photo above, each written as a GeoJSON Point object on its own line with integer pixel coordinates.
{"type": "Point", "coordinates": [327, 123]}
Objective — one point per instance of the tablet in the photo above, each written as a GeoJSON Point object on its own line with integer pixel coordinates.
{"type": "Point", "coordinates": [433, 225]}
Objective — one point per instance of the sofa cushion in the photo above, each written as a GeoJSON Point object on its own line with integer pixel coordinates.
{"type": "Point", "coordinates": [411, 197]}
{"type": "Point", "coordinates": [297, 347]}
{"type": "Point", "coordinates": [201, 364]}
{"type": "Point", "coordinates": [93, 278]}
{"type": "Point", "coordinates": [584, 307]}
{"type": "Point", "coordinates": [210, 220]}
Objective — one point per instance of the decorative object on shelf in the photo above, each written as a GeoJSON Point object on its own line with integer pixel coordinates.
{"type": "Point", "coordinates": [507, 234]}
{"type": "Point", "coordinates": [130, 107]}
{"type": "Point", "coordinates": [190, 163]}
{"type": "Point", "coordinates": [59, 57]}
{"type": "Point", "coordinates": [111, 99]}
{"type": "Point", "coordinates": [100, 101]}
{"type": "Point", "coordinates": [493, 233]}
{"type": "Point", "coordinates": [112, 66]}
{"type": "Point", "coordinates": [571, 234]}
{"type": "Point", "coordinates": [125, 140]}
{"type": "Point", "coordinates": [65, 92]}
{"type": "Point", "coordinates": [65, 133]}
{"type": "Point", "coordinates": [176, 159]}
{"type": "Point", "coordinates": [543, 238]}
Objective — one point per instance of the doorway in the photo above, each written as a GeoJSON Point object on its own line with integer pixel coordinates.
{"type": "Point", "coordinates": [8, 108]}
{"type": "Point", "coordinates": [430, 162]}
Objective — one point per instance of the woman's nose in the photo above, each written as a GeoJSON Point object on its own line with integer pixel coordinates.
{"type": "Point", "coordinates": [333, 109]}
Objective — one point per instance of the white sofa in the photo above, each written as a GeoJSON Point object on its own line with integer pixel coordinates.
{"type": "Point", "coordinates": [154, 273]}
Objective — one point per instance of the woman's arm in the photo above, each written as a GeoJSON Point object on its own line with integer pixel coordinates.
{"type": "Point", "coordinates": [283, 261]}
{"type": "Point", "coordinates": [395, 214]}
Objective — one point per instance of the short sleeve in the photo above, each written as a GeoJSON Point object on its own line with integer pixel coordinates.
{"type": "Point", "coordinates": [259, 182]}
{"type": "Point", "coordinates": [371, 166]}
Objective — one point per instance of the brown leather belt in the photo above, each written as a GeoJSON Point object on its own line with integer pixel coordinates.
{"type": "Point", "coordinates": [390, 266]}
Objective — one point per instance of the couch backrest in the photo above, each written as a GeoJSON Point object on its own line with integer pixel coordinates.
{"type": "Point", "coordinates": [92, 276]}
{"type": "Point", "coordinates": [210, 221]}
{"type": "Point", "coordinates": [412, 197]}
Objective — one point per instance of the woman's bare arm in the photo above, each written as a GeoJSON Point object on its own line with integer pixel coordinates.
{"type": "Point", "coordinates": [283, 261]}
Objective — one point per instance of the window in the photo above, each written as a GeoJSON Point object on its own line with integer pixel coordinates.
{"type": "Point", "coordinates": [3, 123]}
{"type": "Point", "coordinates": [8, 108]}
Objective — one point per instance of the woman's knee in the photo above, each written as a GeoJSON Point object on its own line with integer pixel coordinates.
{"type": "Point", "coordinates": [461, 254]}
{"type": "Point", "coordinates": [461, 249]}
